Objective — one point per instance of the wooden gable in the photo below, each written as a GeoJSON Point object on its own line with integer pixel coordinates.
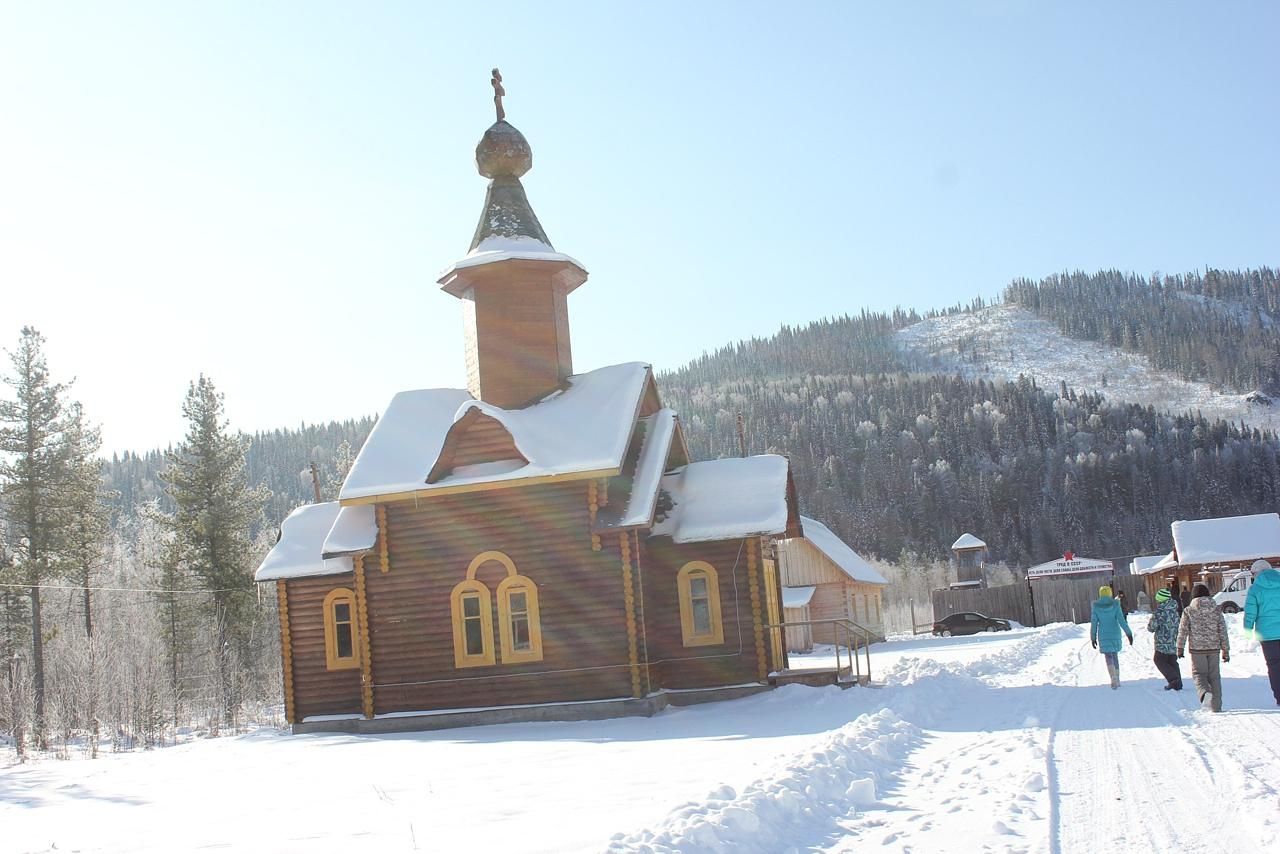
{"type": "Point", "coordinates": [679, 453]}
{"type": "Point", "coordinates": [803, 563]}
{"type": "Point", "coordinates": [650, 400]}
{"type": "Point", "coordinates": [794, 528]}
{"type": "Point", "coordinates": [475, 438]}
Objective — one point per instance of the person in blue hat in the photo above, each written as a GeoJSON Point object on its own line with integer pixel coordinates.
{"type": "Point", "coordinates": [1164, 623]}
{"type": "Point", "coordinates": [1262, 618]}
{"type": "Point", "coordinates": [1106, 623]}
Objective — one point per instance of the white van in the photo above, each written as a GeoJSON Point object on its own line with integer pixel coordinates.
{"type": "Point", "coordinates": [1231, 599]}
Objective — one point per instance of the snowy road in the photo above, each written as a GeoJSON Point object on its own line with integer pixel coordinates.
{"type": "Point", "coordinates": [1043, 756]}
{"type": "Point", "coordinates": [1008, 742]}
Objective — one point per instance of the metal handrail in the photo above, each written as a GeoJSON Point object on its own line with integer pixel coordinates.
{"type": "Point", "coordinates": [857, 640]}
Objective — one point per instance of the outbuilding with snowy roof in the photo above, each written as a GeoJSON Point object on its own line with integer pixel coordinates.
{"type": "Point", "coordinates": [538, 545]}
{"type": "Point", "coordinates": [844, 586]}
{"type": "Point", "coordinates": [1212, 551]}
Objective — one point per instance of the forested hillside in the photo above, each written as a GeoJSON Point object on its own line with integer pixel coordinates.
{"type": "Point", "coordinates": [907, 463]}
{"type": "Point", "coordinates": [1219, 326]}
{"type": "Point", "coordinates": [898, 460]}
{"type": "Point", "coordinates": [280, 459]}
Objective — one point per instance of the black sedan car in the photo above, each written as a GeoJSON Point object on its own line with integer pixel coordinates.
{"type": "Point", "coordinates": [968, 623]}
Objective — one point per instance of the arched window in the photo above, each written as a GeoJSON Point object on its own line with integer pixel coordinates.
{"type": "Point", "coordinates": [341, 644]}
{"type": "Point", "coordinates": [519, 622]}
{"type": "Point", "coordinates": [699, 588]}
{"type": "Point", "coordinates": [519, 627]}
{"type": "Point", "coordinates": [472, 624]}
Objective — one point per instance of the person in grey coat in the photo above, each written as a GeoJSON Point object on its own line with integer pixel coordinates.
{"type": "Point", "coordinates": [1205, 630]}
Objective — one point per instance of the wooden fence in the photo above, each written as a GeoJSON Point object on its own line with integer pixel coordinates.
{"type": "Point", "coordinates": [1037, 603]}
{"type": "Point", "coordinates": [1067, 600]}
{"type": "Point", "coordinates": [1010, 602]}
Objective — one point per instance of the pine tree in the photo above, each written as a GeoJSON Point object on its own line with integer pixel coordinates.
{"type": "Point", "coordinates": [34, 471]}
{"type": "Point", "coordinates": [212, 524]}
{"type": "Point", "coordinates": [87, 520]}
{"type": "Point", "coordinates": [87, 526]}
{"type": "Point", "coordinates": [343, 458]}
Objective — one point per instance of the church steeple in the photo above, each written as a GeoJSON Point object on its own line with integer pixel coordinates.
{"type": "Point", "coordinates": [513, 284]}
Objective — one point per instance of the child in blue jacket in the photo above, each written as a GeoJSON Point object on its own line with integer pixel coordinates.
{"type": "Point", "coordinates": [1106, 621]}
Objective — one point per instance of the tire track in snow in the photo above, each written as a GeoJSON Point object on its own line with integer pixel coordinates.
{"type": "Point", "coordinates": [830, 791]}
{"type": "Point", "coordinates": [1137, 774]}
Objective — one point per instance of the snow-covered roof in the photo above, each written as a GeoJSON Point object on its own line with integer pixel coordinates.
{"type": "Point", "coordinates": [850, 562]}
{"type": "Point", "coordinates": [968, 541]}
{"type": "Point", "coordinates": [404, 443]}
{"type": "Point", "coordinates": [496, 248]}
{"type": "Point", "coordinates": [583, 427]}
{"type": "Point", "coordinates": [726, 499]}
{"type": "Point", "coordinates": [1229, 539]}
{"type": "Point", "coordinates": [297, 554]}
{"type": "Point", "coordinates": [1169, 561]}
{"type": "Point", "coordinates": [1144, 564]}
{"type": "Point", "coordinates": [659, 430]}
{"type": "Point", "coordinates": [797, 597]}
{"type": "Point", "coordinates": [354, 531]}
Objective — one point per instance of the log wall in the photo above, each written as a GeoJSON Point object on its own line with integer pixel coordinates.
{"type": "Point", "coordinates": [545, 530]}
{"type": "Point", "coordinates": [671, 664]}
{"type": "Point", "coordinates": [316, 689]}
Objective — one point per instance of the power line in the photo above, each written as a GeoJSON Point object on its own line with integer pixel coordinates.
{"type": "Point", "coordinates": [79, 589]}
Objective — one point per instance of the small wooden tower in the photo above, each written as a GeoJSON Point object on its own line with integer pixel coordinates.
{"type": "Point", "coordinates": [513, 285]}
{"type": "Point", "coordinates": [970, 557]}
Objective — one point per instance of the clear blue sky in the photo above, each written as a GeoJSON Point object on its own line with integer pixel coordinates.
{"type": "Point", "coordinates": [265, 192]}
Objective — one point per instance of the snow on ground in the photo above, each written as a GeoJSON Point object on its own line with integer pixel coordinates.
{"type": "Point", "coordinates": [1002, 341]}
{"type": "Point", "coordinates": [1002, 742]}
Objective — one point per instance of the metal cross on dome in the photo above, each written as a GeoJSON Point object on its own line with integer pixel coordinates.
{"type": "Point", "coordinates": [498, 92]}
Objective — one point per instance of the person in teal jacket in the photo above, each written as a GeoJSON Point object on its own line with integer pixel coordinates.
{"type": "Point", "coordinates": [1106, 622]}
{"type": "Point", "coordinates": [1262, 618]}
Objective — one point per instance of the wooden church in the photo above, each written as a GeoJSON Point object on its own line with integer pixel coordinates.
{"type": "Point", "coordinates": [537, 545]}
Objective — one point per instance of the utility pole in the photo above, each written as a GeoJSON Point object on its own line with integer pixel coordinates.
{"type": "Point", "coordinates": [742, 437]}
{"type": "Point", "coordinates": [315, 481]}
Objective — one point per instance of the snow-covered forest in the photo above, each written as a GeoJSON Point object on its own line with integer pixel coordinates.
{"type": "Point", "coordinates": [900, 459]}
{"type": "Point", "coordinates": [124, 628]}
{"type": "Point", "coordinates": [117, 601]}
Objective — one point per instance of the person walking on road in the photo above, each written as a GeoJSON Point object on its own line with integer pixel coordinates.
{"type": "Point", "coordinates": [1204, 628]}
{"type": "Point", "coordinates": [1106, 622]}
{"type": "Point", "coordinates": [1164, 623]}
{"type": "Point", "coordinates": [1262, 618]}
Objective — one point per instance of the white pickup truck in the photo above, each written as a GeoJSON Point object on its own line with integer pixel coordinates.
{"type": "Point", "coordinates": [1231, 599]}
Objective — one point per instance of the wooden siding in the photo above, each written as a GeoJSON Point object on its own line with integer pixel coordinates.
{"type": "Point", "coordinates": [517, 337]}
{"type": "Point", "coordinates": [475, 438]}
{"type": "Point", "coordinates": [837, 596]}
{"type": "Point", "coordinates": [650, 402]}
{"type": "Point", "coordinates": [545, 532]}
{"type": "Point", "coordinates": [828, 603]}
{"type": "Point", "coordinates": [316, 689]}
{"type": "Point", "coordinates": [802, 564]}
{"type": "Point", "coordinates": [799, 638]}
{"type": "Point", "coordinates": [673, 665]}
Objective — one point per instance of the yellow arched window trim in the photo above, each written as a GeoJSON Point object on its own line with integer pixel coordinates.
{"type": "Point", "coordinates": [519, 620]}
{"type": "Point", "coordinates": [472, 624]}
{"type": "Point", "coordinates": [519, 623]}
{"type": "Point", "coordinates": [341, 631]}
{"type": "Point", "coordinates": [698, 585]}
{"type": "Point", "coordinates": [484, 557]}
